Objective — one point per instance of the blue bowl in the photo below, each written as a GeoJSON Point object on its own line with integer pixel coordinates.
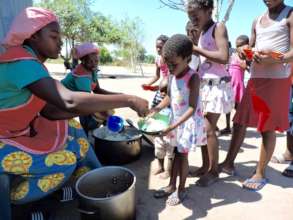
{"type": "Point", "coordinates": [115, 123]}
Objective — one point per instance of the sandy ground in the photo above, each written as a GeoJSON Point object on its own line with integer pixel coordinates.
{"type": "Point", "coordinates": [225, 199]}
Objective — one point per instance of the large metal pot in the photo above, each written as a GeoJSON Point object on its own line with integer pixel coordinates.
{"type": "Point", "coordinates": [117, 148]}
{"type": "Point", "coordinates": [107, 193]}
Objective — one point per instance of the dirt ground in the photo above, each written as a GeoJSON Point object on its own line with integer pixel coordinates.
{"type": "Point", "coordinates": [225, 199]}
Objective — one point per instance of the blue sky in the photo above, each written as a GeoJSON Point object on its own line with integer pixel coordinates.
{"type": "Point", "coordinates": [157, 20]}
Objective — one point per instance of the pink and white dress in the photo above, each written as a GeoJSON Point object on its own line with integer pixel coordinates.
{"type": "Point", "coordinates": [237, 77]}
{"type": "Point", "coordinates": [192, 132]}
{"type": "Point", "coordinates": [216, 90]}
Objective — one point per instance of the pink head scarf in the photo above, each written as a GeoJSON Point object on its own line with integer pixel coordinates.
{"type": "Point", "coordinates": [28, 22]}
{"type": "Point", "coordinates": [85, 49]}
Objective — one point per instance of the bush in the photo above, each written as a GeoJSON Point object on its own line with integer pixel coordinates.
{"type": "Point", "coordinates": [149, 59]}
{"type": "Point", "coordinates": [105, 56]}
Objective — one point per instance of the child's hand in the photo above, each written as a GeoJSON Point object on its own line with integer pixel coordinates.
{"type": "Point", "coordinates": [166, 131]}
{"type": "Point", "coordinates": [145, 86]}
{"type": "Point", "coordinates": [246, 52]}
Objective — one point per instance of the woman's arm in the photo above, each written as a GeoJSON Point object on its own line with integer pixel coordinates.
{"type": "Point", "coordinates": [222, 54]}
{"type": "Point", "coordinates": [51, 112]}
{"type": "Point", "coordinates": [53, 92]}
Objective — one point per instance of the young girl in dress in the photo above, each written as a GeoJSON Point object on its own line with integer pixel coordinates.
{"type": "Point", "coordinates": [162, 145]}
{"type": "Point", "coordinates": [186, 130]}
{"type": "Point", "coordinates": [237, 68]}
{"type": "Point", "coordinates": [162, 72]}
{"type": "Point", "coordinates": [216, 89]}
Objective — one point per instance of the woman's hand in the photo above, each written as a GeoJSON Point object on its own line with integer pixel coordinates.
{"type": "Point", "coordinates": [267, 57]}
{"type": "Point", "coordinates": [139, 105]}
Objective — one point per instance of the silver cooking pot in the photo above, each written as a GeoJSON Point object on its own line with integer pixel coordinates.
{"type": "Point", "coordinates": [107, 193]}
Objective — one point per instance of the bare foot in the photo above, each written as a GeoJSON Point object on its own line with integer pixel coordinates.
{"type": "Point", "coordinates": [164, 175]}
{"type": "Point", "coordinates": [164, 192]}
{"type": "Point", "coordinates": [158, 171]}
{"type": "Point", "coordinates": [207, 180]}
{"type": "Point", "coordinates": [198, 172]}
{"type": "Point", "coordinates": [224, 168]}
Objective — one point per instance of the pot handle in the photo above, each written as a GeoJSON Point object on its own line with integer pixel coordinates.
{"type": "Point", "coordinates": [87, 212]}
{"type": "Point", "coordinates": [143, 136]}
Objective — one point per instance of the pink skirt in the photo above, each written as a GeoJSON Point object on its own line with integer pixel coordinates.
{"type": "Point", "coordinates": [237, 81]}
{"type": "Point", "coordinates": [265, 105]}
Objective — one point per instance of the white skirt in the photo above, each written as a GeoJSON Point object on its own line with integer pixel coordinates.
{"type": "Point", "coordinates": [217, 98]}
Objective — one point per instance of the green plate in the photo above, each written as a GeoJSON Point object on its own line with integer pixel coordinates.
{"type": "Point", "coordinates": [155, 124]}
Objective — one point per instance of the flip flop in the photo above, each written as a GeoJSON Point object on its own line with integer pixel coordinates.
{"type": "Point", "coordinates": [279, 158]}
{"type": "Point", "coordinates": [288, 172]}
{"type": "Point", "coordinates": [161, 193]}
{"type": "Point", "coordinates": [261, 183]}
{"type": "Point", "coordinates": [176, 198]}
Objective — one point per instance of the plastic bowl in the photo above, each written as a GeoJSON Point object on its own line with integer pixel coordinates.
{"type": "Point", "coordinates": [115, 123]}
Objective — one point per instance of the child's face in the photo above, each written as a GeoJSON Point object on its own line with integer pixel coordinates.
{"type": "Point", "coordinates": [272, 3]}
{"type": "Point", "coordinates": [91, 61]}
{"type": "Point", "coordinates": [177, 64]}
{"type": "Point", "coordinates": [47, 41]}
{"type": "Point", "coordinates": [199, 16]}
{"type": "Point", "coordinates": [159, 46]}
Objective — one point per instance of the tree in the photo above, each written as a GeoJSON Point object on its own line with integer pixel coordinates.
{"type": "Point", "coordinates": [79, 24]}
{"type": "Point", "coordinates": [181, 5]}
{"type": "Point", "coordinates": [131, 46]}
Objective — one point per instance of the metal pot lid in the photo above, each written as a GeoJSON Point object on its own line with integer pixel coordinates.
{"type": "Point", "coordinates": [128, 134]}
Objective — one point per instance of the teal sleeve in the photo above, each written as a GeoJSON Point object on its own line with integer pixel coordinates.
{"type": "Point", "coordinates": [25, 72]}
{"type": "Point", "coordinates": [83, 84]}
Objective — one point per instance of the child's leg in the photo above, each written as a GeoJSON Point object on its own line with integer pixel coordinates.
{"type": "Point", "coordinates": [267, 150]}
{"type": "Point", "coordinates": [166, 191]}
{"type": "Point", "coordinates": [238, 135]}
{"type": "Point", "coordinates": [170, 156]}
{"type": "Point", "coordinates": [226, 130]}
{"type": "Point", "coordinates": [183, 171]}
{"type": "Point", "coordinates": [179, 195]}
{"type": "Point", "coordinates": [205, 163]}
{"type": "Point", "coordinates": [289, 150]}
{"type": "Point", "coordinates": [211, 120]}
{"type": "Point", "coordinates": [160, 153]}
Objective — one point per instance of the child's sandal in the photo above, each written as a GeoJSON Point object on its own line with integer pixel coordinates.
{"type": "Point", "coordinates": [176, 198]}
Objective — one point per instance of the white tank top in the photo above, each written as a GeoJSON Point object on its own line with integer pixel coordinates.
{"type": "Point", "coordinates": [275, 37]}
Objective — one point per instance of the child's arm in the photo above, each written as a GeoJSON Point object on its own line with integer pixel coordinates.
{"type": "Point", "coordinates": [156, 77]}
{"type": "Point", "coordinates": [193, 99]}
{"type": "Point", "coordinates": [243, 64]}
{"type": "Point", "coordinates": [221, 38]}
{"type": "Point", "coordinates": [163, 104]}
